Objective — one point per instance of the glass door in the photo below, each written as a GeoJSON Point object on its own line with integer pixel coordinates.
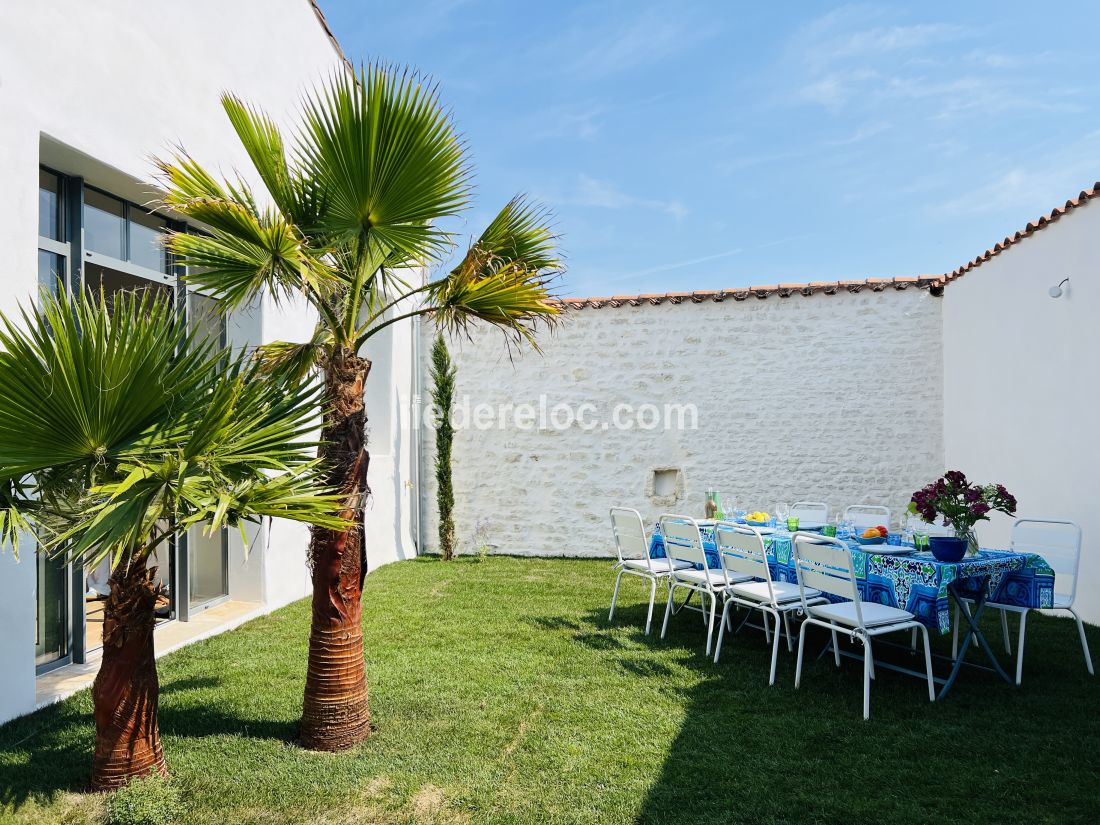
{"type": "Point", "coordinates": [207, 554]}
{"type": "Point", "coordinates": [207, 567]}
{"type": "Point", "coordinates": [51, 636]}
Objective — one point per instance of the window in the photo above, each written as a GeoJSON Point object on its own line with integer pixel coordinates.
{"type": "Point", "coordinates": [51, 272]}
{"type": "Point", "coordinates": [147, 240]}
{"type": "Point", "coordinates": [104, 224]}
{"type": "Point", "coordinates": [49, 205]}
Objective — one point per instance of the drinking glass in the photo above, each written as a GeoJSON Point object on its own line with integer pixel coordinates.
{"type": "Point", "coordinates": [920, 540]}
{"type": "Point", "coordinates": [792, 524]}
{"type": "Point", "coordinates": [906, 528]}
{"type": "Point", "coordinates": [843, 528]}
{"type": "Point", "coordinates": [782, 510]}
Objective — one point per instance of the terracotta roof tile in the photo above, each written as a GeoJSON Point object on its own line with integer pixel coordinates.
{"type": "Point", "coordinates": [1034, 226]}
{"type": "Point", "coordinates": [758, 291]}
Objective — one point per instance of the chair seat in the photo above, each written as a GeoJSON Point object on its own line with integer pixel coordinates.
{"type": "Point", "coordinates": [715, 576]}
{"type": "Point", "coordinates": [659, 565]}
{"type": "Point", "coordinates": [874, 614]}
{"type": "Point", "coordinates": [1061, 602]}
{"type": "Point", "coordinates": [785, 592]}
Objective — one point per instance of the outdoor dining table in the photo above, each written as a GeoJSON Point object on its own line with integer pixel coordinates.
{"type": "Point", "coordinates": [921, 584]}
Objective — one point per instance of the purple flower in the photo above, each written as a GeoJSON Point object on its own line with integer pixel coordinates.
{"type": "Point", "coordinates": [955, 477]}
{"type": "Point", "coordinates": [980, 508]}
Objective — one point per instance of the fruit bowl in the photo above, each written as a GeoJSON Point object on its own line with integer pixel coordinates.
{"type": "Point", "coordinates": [756, 523]}
{"type": "Point", "coordinates": [873, 540]}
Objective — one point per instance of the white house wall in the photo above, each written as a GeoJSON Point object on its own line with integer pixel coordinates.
{"type": "Point", "coordinates": [828, 397]}
{"type": "Point", "coordinates": [94, 89]}
{"type": "Point", "coordinates": [1022, 382]}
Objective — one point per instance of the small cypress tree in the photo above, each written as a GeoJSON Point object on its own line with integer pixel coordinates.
{"type": "Point", "coordinates": [443, 378]}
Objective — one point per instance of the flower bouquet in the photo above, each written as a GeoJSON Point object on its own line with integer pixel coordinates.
{"type": "Point", "coordinates": [962, 505]}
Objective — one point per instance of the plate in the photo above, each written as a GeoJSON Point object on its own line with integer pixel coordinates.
{"type": "Point", "coordinates": [891, 550]}
{"type": "Point", "coordinates": [812, 526]}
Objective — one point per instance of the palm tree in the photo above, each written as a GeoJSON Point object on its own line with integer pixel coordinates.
{"type": "Point", "coordinates": [357, 204]}
{"type": "Point", "coordinates": [118, 430]}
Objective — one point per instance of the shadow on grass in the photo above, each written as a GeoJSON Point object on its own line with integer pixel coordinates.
{"type": "Point", "coordinates": [189, 683]}
{"type": "Point", "coordinates": [45, 753]}
{"type": "Point", "coordinates": [747, 752]}
{"type": "Point", "coordinates": [197, 722]}
{"type": "Point", "coordinates": [49, 752]}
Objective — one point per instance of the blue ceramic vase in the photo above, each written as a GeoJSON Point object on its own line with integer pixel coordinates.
{"type": "Point", "coordinates": [947, 548]}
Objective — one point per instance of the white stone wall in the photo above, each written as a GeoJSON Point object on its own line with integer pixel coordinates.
{"type": "Point", "coordinates": [827, 397]}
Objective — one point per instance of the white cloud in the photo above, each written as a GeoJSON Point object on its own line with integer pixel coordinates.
{"type": "Point", "coordinates": [856, 58]}
{"type": "Point", "coordinates": [1030, 190]}
{"type": "Point", "coordinates": [604, 195]}
{"type": "Point", "coordinates": [653, 35]}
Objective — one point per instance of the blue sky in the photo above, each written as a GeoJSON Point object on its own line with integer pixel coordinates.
{"type": "Point", "coordinates": [705, 145]}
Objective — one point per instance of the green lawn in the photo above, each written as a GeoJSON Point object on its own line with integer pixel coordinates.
{"type": "Point", "coordinates": [501, 694]}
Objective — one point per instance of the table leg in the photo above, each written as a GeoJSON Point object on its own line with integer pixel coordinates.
{"type": "Point", "coordinates": [684, 604]}
{"type": "Point", "coordinates": [973, 631]}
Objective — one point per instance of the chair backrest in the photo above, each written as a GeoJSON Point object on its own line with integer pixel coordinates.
{"type": "Point", "coordinates": [810, 511]}
{"type": "Point", "coordinates": [1058, 542]}
{"type": "Point", "coordinates": [824, 563]}
{"type": "Point", "coordinates": [867, 515]}
{"type": "Point", "coordinates": [741, 549]}
{"type": "Point", "coordinates": [631, 541]}
{"type": "Point", "coordinates": [682, 539]}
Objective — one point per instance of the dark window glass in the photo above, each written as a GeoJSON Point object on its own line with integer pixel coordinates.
{"type": "Point", "coordinates": [51, 617]}
{"type": "Point", "coordinates": [104, 228]}
{"type": "Point", "coordinates": [49, 223]}
{"type": "Point", "coordinates": [51, 271]}
{"type": "Point", "coordinates": [147, 240]}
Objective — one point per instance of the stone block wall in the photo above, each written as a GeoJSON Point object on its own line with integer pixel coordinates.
{"type": "Point", "coordinates": [835, 398]}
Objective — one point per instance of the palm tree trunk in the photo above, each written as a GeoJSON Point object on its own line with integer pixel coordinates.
{"type": "Point", "coordinates": [126, 690]}
{"type": "Point", "coordinates": [336, 715]}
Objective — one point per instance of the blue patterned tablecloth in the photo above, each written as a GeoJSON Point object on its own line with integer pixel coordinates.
{"type": "Point", "coordinates": [917, 582]}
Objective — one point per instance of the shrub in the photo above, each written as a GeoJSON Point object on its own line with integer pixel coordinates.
{"type": "Point", "coordinates": [150, 800]}
{"type": "Point", "coordinates": [443, 375]}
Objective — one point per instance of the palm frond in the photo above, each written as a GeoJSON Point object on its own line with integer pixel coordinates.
{"type": "Point", "coordinates": [521, 232]}
{"type": "Point", "coordinates": [389, 160]}
{"type": "Point", "coordinates": [120, 420]}
{"type": "Point", "coordinates": [243, 254]}
{"type": "Point", "coordinates": [293, 362]}
{"type": "Point", "coordinates": [507, 295]}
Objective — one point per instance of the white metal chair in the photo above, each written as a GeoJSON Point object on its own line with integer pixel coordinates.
{"type": "Point", "coordinates": [867, 515]}
{"type": "Point", "coordinates": [684, 542]}
{"type": "Point", "coordinates": [1059, 543]}
{"type": "Point", "coordinates": [824, 564]}
{"type": "Point", "coordinates": [810, 511]}
{"type": "Point", "coordinates": [741, 549]}
{"type": "Point", "coordinates": [632, 549]}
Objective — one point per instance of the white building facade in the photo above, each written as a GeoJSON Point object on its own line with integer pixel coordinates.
{"type": "Point", "coordinates": [88, 95]}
